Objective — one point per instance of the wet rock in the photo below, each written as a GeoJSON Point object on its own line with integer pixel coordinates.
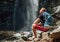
{"type": "Point", "coordinates": [45, 35]}
{"type": "Point", "coordinates": [44, 40]}
{"type": "Point", "coordinates": [6, 34]}
{"type": "Point", "coordinates": [55, 36]}
{"type": "Point", "coordinates": [39, 34]}
{"type": "Point", "coordinates": [55, 30]}
{"type": "Point", "coordinates": [24, 38]}
{"type": "Point", "coordinates": [30, 38]}
{"type": "Point", "coordinates": [58, 23]}
{"type": "Point", "coordinates": [17, 35]}
{"type": "Point", "coordinates": [27, 34]}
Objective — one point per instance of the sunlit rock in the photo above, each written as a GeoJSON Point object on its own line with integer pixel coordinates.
{"type": "Point", "coordinates": [56, 30]}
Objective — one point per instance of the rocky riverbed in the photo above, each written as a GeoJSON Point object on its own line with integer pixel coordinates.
{"type": "Point", "coordinates": [11, 36]}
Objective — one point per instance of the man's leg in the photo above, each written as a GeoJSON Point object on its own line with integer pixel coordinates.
{"type": "Point", "coordinates": [37, 27]}
{"type": "Point", "coordinates": [34, 31]}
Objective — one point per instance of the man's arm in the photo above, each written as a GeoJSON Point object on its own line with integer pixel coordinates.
{"type": "Point", "coordinates": [37, 21]}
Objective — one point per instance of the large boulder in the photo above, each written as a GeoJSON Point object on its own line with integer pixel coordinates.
{"type": "Point", "coordinates": [55, 35]}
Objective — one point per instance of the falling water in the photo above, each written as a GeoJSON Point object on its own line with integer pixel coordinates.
{"type": "Point", "coordinates": [32, 8]}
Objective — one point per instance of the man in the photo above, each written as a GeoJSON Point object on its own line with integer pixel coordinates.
{"type": "Point", "coordinates": [43, 22]}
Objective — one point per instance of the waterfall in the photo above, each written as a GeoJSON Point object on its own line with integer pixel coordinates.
{"type": "Point", "coordinates": [32, 8]}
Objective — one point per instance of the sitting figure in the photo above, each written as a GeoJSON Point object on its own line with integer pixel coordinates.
{"type": "Point", "coordinates": [43, 22]}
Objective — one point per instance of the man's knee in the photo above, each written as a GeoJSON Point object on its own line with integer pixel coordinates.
{"type": "Point", "coordinates": [33, 26]}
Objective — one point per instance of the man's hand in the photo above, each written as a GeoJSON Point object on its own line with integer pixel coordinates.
{"type": "Point", "coordinates": [40, 24]}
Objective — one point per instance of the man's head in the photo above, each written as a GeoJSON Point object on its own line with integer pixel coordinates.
{"type": "Point", "coordinates": [42, 10]}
